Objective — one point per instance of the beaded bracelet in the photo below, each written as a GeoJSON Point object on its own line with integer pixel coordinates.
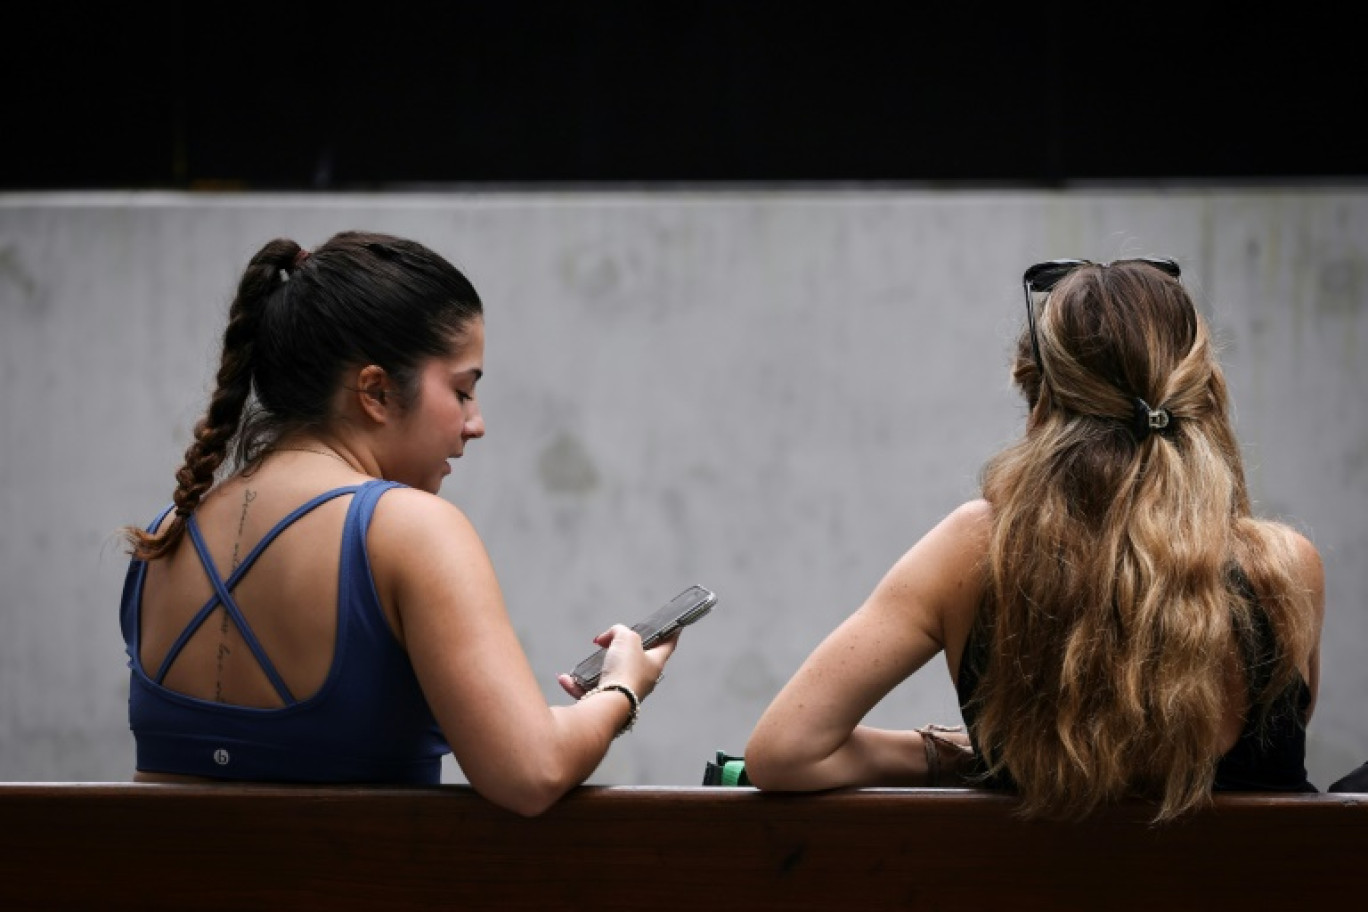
{"type": "Point", "coordinates": [631, 698]}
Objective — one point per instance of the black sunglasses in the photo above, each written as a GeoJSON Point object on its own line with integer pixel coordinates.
{"type": "Point", "coordinates": [1043, 277]}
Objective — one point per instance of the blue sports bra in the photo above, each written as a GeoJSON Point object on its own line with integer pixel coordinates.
{"type": "Point", "coordinates": [369, 722]}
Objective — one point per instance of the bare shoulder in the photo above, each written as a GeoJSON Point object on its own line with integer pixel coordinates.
{"type": "Point", "coordinates": [1307, 557]}
{"type": "Point", "coordinates": [428, 561]}
{"type": "Point", "coordinates": [944, 568]}
{"type": "Point", "coordinates": [1302, 561]}
{"type": "Point", "coordinates": [409, 511]}
{"type": "Point", "coordinates": [1309, 569]}
{"type": "Point", "coordinates": [962, 535]}
{"type": "Point", "coordinates": [964, 532]}
{"type": "Point", "coordinates": [413, 527]}
{"type": "Point", "coordinates": [972, 519]}
{"type": "Point", "coordinates": [1302, 557]}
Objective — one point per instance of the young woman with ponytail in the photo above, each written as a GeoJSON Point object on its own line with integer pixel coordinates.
{"type": "Point", "coordinates": [1116, 622]}
{"type": "Point", "coordinates": [307, 608]}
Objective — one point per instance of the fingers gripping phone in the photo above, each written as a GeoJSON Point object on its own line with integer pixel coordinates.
{"type": "Point", "coordinates": [680, 611]}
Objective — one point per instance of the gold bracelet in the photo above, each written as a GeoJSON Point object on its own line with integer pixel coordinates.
{"type": "Point", "coordinates": [631, 699]}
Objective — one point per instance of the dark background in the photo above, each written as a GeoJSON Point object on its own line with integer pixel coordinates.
{"type": "Point", "coordinates": [616, 94]}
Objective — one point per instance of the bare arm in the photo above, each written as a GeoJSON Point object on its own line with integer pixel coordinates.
{"type": "Point", "coordinates": [810, 737]}
{"type": "Point", "coordinates": [514, 748]}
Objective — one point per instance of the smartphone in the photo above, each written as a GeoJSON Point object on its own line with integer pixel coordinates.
{"type": "Point", "coordinates": [680, 611]}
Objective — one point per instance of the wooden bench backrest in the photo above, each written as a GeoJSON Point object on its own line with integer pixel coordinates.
{"type": "Point", "coordinates": [108, 846]}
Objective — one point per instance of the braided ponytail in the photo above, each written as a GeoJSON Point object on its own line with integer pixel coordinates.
{"type": "Point", "coordinates": [298, 322]}
{"type": "Point", "coordinates": [266, 275]}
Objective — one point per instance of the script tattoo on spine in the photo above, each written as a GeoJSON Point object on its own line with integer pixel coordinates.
{"type": "Point", "coordinates": [223, 650]}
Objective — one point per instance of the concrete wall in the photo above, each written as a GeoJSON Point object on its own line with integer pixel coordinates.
{"type": "Point", "coordinates": [771, 393]}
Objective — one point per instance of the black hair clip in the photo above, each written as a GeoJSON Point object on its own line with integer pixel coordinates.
{"type": "Point", "coordinates": [1148, 420]}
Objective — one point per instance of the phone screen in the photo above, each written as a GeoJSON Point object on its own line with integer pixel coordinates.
{"type": "Point", "coordinates": [680, 611]}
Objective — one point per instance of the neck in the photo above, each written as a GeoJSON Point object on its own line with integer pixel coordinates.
{"type": "Point", "coordinates": [317, 448]}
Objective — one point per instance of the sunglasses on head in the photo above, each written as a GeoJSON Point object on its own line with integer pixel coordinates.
{"type": "Point", "coordinates": [1043, 277]}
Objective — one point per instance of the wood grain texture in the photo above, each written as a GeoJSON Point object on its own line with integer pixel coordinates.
{"type": "Point", "coordinates": [117, 846]}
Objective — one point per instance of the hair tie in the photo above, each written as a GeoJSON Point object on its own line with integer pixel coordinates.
{"type": "Point", "coordinates": [299, 259]}
{"type": "Point", "coordinates": [1148, 420]}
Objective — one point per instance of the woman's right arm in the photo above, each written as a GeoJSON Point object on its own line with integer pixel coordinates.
{"type": "Point", "coordinates": [513, 747]}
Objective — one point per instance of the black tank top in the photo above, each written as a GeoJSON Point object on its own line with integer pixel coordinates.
{"type": "Point", "coordinates": [1270, 755]}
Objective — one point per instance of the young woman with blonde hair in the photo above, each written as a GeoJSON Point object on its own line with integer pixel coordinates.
{"type": "Point", "coordinates": [1117, 623]}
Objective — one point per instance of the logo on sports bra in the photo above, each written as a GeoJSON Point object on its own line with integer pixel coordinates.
{"type": "Point", "coordinates": [221, 757]}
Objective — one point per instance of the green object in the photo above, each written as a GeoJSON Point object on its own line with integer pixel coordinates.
{"type": "Point", "coordinates": [726, 770]}
{"type": "Point", "coordinates": [734, 773]}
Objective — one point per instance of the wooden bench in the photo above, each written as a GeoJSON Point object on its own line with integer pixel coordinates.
{"type": "Point", "coordinates": [190, 847]}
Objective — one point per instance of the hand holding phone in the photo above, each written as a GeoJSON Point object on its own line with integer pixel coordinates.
{"type": "Point", "coordinates": [682, 610]}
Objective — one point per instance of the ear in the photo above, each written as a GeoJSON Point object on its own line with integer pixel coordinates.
{"type": "Point", "coordinates": [371, 393]}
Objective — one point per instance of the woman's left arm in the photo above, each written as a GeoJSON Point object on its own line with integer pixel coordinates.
{"type": "Point", "coordinates": [810, 737]}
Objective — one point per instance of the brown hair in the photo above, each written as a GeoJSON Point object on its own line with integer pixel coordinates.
{"type": "Point", "coordinates": [298, 321]}
{"type": "Point", "coordinates": [1117, 559]}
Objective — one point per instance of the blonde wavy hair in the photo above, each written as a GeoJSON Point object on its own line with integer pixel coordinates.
{"type": "Point", "coordinates": [1121, 562]}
